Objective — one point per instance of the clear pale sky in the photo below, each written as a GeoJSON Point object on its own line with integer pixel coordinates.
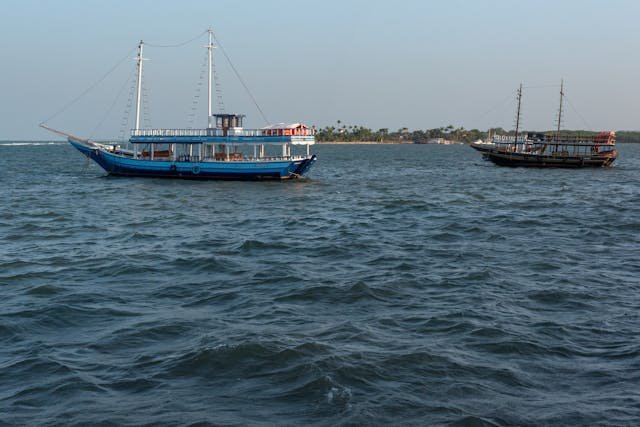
{"type": "Point", "coordinates": [407, 63]}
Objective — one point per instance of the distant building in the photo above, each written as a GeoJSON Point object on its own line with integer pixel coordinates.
{"type": "Point", "coordinates": [440, 141]}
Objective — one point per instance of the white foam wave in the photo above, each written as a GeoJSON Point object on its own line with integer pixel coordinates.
{"type": "Point", "coordinates": [11, 144]}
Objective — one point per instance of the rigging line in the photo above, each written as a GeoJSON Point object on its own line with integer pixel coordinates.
{"type": "Point", "coordinates": [496, 106]}
{"type": "Point", "coordinates": [146, 108]}
{"type": "Point", "coordinates": [224, 52]}
{"type": "Point", "coordinates": [218, 90]}
{"type": "Point", "coordinates": [125, 118]}
{"type": "Point", "coordinates": [126, 83]}
{"type": "Point", "coordinates": [196, 97]}
{"type": "Point", "coordinates": [179, 44]}
{"type": "Point", "coordinates": [540, 86]}
{"type": "Point", "coordinates": [85, 166]}
{"type": "Point", "coordinates": [576, 111]}
{"type": "Point", "coordinates": [76, 99]}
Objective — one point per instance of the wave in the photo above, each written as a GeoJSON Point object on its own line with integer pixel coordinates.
{"type": "Point", "coordinates": [27, 143]}
{"type": "Point", "coordinates": [392, 288]}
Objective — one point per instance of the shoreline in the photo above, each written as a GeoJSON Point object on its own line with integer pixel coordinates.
{"type": "Point", "coordinates": [363, 142]}
{"type": "Point", "coordinates": [384, 143]}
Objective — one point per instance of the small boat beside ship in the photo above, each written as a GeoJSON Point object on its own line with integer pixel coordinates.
{"type": "Point", "coordinates": [224, 150]}
{"type": "Point", "coordinates": [549, 149]}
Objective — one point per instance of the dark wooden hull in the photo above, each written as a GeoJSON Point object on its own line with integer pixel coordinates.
{"type": "Point", "coordinates": [503, 157]}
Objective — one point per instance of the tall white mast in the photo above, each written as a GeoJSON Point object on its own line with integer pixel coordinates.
{"type": "Point", "coordinates": [139, 84]}
{"type": "Point", "coordinates": [210, 48]}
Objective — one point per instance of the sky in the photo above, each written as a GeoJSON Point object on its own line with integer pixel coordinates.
{"type": "Point", "coordinates": [419, 64]}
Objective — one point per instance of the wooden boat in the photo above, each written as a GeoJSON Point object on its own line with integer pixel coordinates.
{"type": "Point", "coordinates": [224, 150]}
{"type": "Point", "coordinates": [550, 149]}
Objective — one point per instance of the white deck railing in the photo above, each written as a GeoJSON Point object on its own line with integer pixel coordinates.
{"type": "Point", "coordinates": [210, 132]}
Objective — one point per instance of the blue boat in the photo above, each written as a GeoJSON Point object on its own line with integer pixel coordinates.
{"type": "Point", "coordinates": [224, 150]}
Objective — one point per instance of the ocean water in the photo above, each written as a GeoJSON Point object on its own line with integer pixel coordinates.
{"type": "Point", "coordinates": [398, 285]}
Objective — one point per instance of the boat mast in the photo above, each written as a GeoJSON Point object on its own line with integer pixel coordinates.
{"type": "Point", "coordinates": [139, 85]}
{"type": "Point", "coordinates": [560, 109]}
{"type": "Point", "coordinates": [515, 142]}
{"type": "Point", "coordinates": [210, 48]}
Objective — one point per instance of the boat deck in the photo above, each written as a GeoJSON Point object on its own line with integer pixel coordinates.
{"type": "Point", "coordinates": [220, 136]}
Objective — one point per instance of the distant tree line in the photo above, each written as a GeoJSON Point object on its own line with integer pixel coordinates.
{"type": "Point", "coordinates": [628, 136]}
{"type": "Point", "coordinates": [353, 133]}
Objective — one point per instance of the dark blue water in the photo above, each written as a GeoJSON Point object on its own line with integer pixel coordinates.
{"type": "Point", "coordinates": [414, 285]}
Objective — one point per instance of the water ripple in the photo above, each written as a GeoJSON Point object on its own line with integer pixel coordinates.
{"type": "Point", "coordinates": [389, 288]}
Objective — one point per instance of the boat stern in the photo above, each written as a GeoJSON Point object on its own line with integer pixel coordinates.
{"type": "Point", "coordinates": [303, 167]}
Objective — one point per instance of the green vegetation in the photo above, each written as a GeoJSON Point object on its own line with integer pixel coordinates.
{"type": "Point", "coordinates": [628, 136]}
{"type": "Point", "coordinates": [354, 133]}
{"type": "Point", "coordinates": [344, 133]}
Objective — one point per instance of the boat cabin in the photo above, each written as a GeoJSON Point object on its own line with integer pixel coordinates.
{"type": "Point", "coordinates": [226, 122]}
{"type": "Point", "coordinates": [283, 129]}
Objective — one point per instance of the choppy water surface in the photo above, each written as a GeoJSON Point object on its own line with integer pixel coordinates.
{"type": "Point", "coordinates": [398, 285]}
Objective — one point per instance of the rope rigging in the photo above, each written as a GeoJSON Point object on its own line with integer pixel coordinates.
{"type": "Point", "coordinates": [224, 52]}
{"type": "Point", "coordinates": [507, 99]}
{"type": "Point", "coordinates": [565, 98]}
{"type": "Point", "coordinates": [125, 123]}
{"type": "Point", "coordinates": [577, 113]}
{"type": "Point", "coordinates": [540, 86]}
{"type": "Point", "coordinates": [176, 45]}
{"type": "Point", "coordinates": [77, 98]}
{"type": "Point", "coordinates": [196, 97]}
{"type": "Point", "coordinates": [122, 88]}
{"type": "Point", "coordinates": [218, 90]}
{"type": "Point", "coordinates": [146, 115]}
{"type": "Point", "coordinates": [503, 102]}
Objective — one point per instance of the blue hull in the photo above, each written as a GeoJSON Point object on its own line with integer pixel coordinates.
{"type": "Point", "coordinates": [121, 165]}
